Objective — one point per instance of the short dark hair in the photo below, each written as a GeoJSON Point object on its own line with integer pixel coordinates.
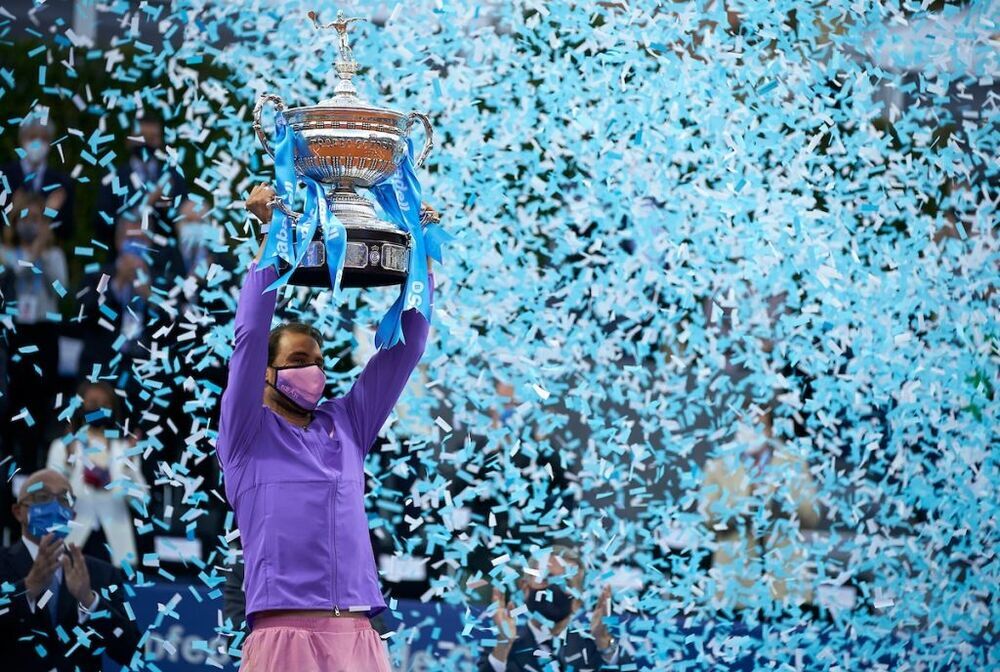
{"type": "Point", "coordinates": [292, 327]}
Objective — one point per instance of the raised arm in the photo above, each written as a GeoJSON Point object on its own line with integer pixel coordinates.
{"type": "Point", "coordinates": [377, 389]}
{"type": "Point", "coordinates": [243, 400]}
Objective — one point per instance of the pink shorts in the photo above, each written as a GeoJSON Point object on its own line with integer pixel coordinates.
{"type": "Point", "coordinates": [313, 644]}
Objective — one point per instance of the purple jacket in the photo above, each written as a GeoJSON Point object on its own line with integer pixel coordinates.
{"type": "Point", "coordinates": [299, 493]}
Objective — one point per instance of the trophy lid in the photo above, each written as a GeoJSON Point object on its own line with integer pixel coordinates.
{"type": "Point", "coordinates": [345, 95]}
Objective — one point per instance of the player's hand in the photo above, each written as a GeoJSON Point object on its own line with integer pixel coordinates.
{"type": "Point", "coordinates": [258, 203]}
{"type": "Point", "coordinates": [428, 215]}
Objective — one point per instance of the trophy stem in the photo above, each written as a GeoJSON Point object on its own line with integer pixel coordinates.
{"type": "Point", "coordinates": [354, 210]}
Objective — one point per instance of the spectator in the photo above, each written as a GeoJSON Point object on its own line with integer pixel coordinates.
{"type": "Point", "coordinates": [145, 180]}
{"type": "Point", "coordinates": [186, 261]}
{"type": "Point", "coordinates": [754, 499]}
{"type": "Point", "coordinates": [8, 525]}
{"type": "Point", "coordinates": [505, 391]}
{"type": "Point", "coordinates": [95, 457]}
{"type": "Point", "coordinates": [31, 173]}
{"type": "Point", "coordinates": [50, 585]}
{"type": "Point", "coordinates": [31, 254]}
{"type": "Point", "coordinates": [36, 264]}
{"type": "Point", "coordinates": [553, 600]}
{"type": "Point", "coordinates": [118, 307]}
{"type": "Point", "coordinates": [197, 239]}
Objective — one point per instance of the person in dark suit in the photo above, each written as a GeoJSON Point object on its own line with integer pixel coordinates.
{"type": "Point", "coordinates": [57, 591]}
{"type": "Point", "coordinates": [122, 309]}
{"type": "Point", "coordinates": [32, 173]}
{"type": "Point", "coordinates": [145, 180]}
{"type": "Point", "coordinates": [550, 634]}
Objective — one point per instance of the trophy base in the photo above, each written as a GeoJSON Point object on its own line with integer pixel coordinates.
{"type": "Point", "coordinates": [374, 258]}
{"type": "Point", "coordinates": [377, 255]}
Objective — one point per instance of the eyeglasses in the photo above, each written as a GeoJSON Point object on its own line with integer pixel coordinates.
{"type": "Point", "coordinates": [46, 497]}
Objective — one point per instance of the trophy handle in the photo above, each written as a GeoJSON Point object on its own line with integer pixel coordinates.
{"type": "Point", "coordinates": [411, 118]}
{"type": "Point", "coordinates": [279, 106]}
{"type": "Point", "coordinates": [280, 204]}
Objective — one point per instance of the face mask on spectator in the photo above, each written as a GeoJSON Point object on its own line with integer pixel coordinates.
{"type": "Point", "coordinates": [35, 151]}
{"type": "Point", "coordinates": [133, 247]}
{"type": "Point", "coordinates": [555, 609]}
{"type": "Point", "coordinates": [144, 153]}
{"type": "Point", "coordinates": [505, 415]}
{"type": "Point", "coordinates": [96, 418]}
{"type": "Point", "coordinates": [27, 231]}
{"type": "Point", "coordinates": [102, 422]}
{"type": "Point", "coordinates": [49, 517]}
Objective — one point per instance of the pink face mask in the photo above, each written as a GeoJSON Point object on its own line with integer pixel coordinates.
{"type": "Point", "coordinates": [302, 385]}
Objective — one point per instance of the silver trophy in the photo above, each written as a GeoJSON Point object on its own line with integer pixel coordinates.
{"type": "Point", "coordinates": [351, 144]}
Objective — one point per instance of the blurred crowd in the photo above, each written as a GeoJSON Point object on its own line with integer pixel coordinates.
{"type": "Point", "coordinates": [83, 295]}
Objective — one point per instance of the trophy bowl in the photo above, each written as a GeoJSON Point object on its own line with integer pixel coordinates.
{"type": "Point", "coordinates": [349, 144]}
{"type": "Point", "coordinates": [361, 148]}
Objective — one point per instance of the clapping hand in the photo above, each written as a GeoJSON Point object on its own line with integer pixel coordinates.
{"type": "Point", "coordinates": [45, 565]}
{"type": "Point", "coordinates": [506, 625]}
{"type": "Point", "coordinates": [77, 576]}
{"type": "Point", "coordinates": [597, 626]}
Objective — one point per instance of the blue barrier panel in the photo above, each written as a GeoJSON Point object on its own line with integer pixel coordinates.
{"type": "Point", "coordinates": [185, 623]}
{"type": "Point", "coordinates": [182, 626]}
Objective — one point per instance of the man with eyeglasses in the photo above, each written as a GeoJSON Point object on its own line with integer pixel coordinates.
{"type": "Point", "coordinates": [59, 610]}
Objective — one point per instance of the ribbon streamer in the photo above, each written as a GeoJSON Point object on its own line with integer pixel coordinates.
{"type": "Point", "coordinates": [291, 240]}
{"type": "Point", "coordinates": [400, 199]}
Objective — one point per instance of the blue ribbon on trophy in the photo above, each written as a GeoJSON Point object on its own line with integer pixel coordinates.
{"type": "Point", "coordinates": [292, 236]}
{"type": "Point", "coordinates": [400, 200]}
{"type": "Point", "coordinates": [352, 145]}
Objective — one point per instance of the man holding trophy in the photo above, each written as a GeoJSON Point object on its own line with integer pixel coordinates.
{"type": "Point", "coordinates": [293, 464]}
